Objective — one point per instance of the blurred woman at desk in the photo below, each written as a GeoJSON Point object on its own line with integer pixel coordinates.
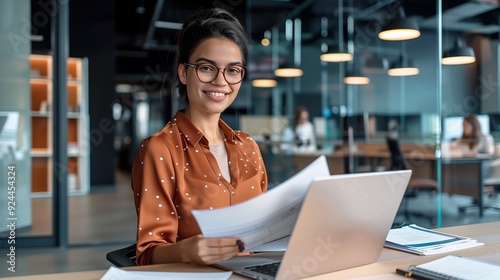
{"type": "Point", "coordinates": [302, 134]}
{"type": "Point", "coordinates": [473, 141]}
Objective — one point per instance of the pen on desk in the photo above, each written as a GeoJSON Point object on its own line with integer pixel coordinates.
{"type": "Point", "coordinates": [408, 274]}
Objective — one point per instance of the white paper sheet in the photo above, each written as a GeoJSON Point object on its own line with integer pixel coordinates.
{"type": "Point", "coordinates": [114, 273]}
{"type": "Point", "coordinates": [265, 218]}
{"type": "Point", "coordinates": [422, 241]}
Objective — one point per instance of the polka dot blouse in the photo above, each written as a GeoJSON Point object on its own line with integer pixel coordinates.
{"type": "Point", "coordinates": [175, 172]}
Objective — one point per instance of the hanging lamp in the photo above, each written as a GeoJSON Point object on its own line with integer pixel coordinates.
{"type": "Point", "coordinates": [287, 70]}
{"type": "Point", "coordinates": [336, 53]}
{"type": "Point", "coordinates": [400, 29]}
{"type": "Point", "coordinates": [403, 67]}
{"type": "Point", "coordinates": [353, 76]}
{"type": "Point", "coordinates": [264, 83]}
{"type": "Point", "coordinates": [356, 78]}
{"type": "Point", "coordinates": [458, 55]}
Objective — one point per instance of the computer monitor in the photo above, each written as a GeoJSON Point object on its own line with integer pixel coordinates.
{"type": "Point", "coordinates": [453, 126]}
{"type": "Point", "coordinates": [9, 124]}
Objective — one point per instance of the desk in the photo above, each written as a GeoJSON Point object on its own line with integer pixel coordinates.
{"type": "Point", "coordinates": [470, 181]}
{"type": "Point", "coordinates": [384, 268]}
{"type": "Point", "coordinates": [459, 175]}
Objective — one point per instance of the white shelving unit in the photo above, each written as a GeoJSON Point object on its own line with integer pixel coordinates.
{"type": "Point", "coordinates": [77, 170]}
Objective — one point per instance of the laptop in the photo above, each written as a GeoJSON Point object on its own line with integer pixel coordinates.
{"type": "Point", "coordinates": [343, 223]}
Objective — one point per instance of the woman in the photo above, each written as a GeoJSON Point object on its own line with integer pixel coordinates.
{"type": "Point", "coordinates": [197, 161]}
{"type": "Point", "coordinates": [304, 131]}
{"type": "Point", "coordinates": [472, 141]}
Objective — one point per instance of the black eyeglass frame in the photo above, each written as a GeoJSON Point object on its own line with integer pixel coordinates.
{"type": "Point", "coordinates": [196, 65]}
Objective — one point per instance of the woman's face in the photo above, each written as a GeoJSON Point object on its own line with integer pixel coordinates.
{"type": "Point", "coordinates": [304, 117]}
{"type": "Point", "coordinates": [468, 129]}
{"type": "Point", "coordinates": [216, 96]}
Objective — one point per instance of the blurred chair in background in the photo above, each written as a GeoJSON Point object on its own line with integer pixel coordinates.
{"type": "Point", "coordinates": [415, 186]}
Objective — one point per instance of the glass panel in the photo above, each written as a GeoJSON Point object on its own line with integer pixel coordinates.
{"type": "Point", "coordinates": [353, 122]}
{"type": "Point", "coordinates": [470, 112]}
{"type": "Point", "coordinates": [24, 130]}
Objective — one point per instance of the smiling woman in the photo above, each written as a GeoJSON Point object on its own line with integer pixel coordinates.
{"type": "Point", "coordinates": [197, 161]}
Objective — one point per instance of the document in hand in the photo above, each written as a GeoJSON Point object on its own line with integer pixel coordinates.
{"type": "Point", "coordinates": [422, 241]}
{"type": "Point", "coordinates": [265, 218]}
{"type": "Point", "coordinates": [453, 267]}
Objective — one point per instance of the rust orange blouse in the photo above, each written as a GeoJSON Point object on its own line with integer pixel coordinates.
{"type": "Point", "coordinates": [175, 172]}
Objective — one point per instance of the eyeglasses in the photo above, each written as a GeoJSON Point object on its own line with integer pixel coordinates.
{"type": "Point", "coordinates": [207, 72]}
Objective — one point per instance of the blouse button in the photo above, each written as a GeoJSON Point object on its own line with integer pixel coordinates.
{"type": "Point", "coordinates": [232, 192]}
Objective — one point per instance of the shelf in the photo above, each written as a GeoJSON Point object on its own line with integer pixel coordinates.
{"type": "Point", "coordinates": [40, 80]}
{"type": "Point", "coordinates": [41, 114]}
{"type": "Point", "coordinates": [42, 122]}
{"type": "Point", "coordinates": [41, 153]}
{"type": "Point", "coordinates": [71, 115]}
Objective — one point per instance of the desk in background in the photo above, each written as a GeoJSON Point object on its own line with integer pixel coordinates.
{"type": "Point", "coordinates": [459, 175]}
{"type": "Point", "coordinates": [384, 268]}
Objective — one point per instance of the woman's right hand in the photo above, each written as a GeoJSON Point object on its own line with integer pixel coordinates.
{"type": "Point", "coordinates": [201, 250]}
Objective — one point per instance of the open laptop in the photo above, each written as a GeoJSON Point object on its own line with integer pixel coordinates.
{"type": "Point", "coordinates": [343, 223]}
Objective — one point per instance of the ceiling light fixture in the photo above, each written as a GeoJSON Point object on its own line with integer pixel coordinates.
{"type": "Point", "coordinates": [403, 67]}
{"type": "Point", "coordinates": [266, 41]}
{"type": "Point", "coordinates": [356, 78]}
{"type": "Point", "coordinates": [458, 55]}
{"type": "Point", "coordinates": [292, 71]}
{"type": "Point", "coordinates": [264, 83]}
{"type": "Point", "coordinates": [336, 53]}
{"type": "Point", "coordinates": [288, 72]}
{"type": "Point", "coordinates": [400, 29]}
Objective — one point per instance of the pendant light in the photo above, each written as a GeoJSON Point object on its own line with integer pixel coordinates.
{"type": "Point", "coordinates": [356, 78]}
{"type": "Point", "coordinates": [403, 67]}
{"type": "Point", "coordinates": [353, 76]}
{"type": "Point", "coordinates": [337, 53]}
{"type": "Point", "coordinates": [400, 29]}
{"type": "Point", "coordinates": [265, 78]}
{"type": "Point", "coordinates": [264, 83]}
{"type": "Point", "coordinates": [287, 70]}
{"type": "Point", "coordinates": [458, 55]}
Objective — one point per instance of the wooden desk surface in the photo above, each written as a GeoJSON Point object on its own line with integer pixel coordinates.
{"type": "Point", "coordinates": [384, 268]}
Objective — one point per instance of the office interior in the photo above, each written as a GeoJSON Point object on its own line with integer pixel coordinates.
{"type": "Point", "coordinates": [118, 53]}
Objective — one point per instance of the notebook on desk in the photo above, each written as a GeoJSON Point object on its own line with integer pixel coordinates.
{"type": "Point", "coordinates": [343, 223]}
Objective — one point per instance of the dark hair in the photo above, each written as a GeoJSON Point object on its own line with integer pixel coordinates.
{"type": "Point", "coordinates": [473, 139]}
{"type": "Point", "coordinates": [298, 112]}
{"type": "Point", "coordinates": [205, 24]}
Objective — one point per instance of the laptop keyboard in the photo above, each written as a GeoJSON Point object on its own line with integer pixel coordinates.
{"type": "Point", "coordinates": [268, 269]}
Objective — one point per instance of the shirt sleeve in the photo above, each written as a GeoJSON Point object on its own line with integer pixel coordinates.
{"type": "Point", "coordinates": [153, 183]}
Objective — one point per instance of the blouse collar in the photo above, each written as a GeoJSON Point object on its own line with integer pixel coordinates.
{"type": "Point", "coordinates": [194, 136]}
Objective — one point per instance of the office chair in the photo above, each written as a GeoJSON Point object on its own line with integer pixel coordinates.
{"type": "Point", "coordinates": [493, 180]}
{"type": "Point", "coordinates": [122, 257]}
{"type": "Point", "coordinates": [415, 185]}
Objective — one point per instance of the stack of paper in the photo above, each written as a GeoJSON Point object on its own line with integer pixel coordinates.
{"type": "Point", "coordinates": [422, 241]}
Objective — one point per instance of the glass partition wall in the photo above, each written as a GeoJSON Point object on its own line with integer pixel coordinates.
{"type": "Point", "coordinates": [392, 104]}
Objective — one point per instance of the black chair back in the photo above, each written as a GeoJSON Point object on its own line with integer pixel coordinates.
{"type": "Point", "coordinates": [397, 159]}
{"type": "Point", "coordinates": [122, 257]}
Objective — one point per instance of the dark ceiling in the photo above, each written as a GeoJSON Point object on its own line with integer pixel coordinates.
{"type": "Point", "coordinates": [135, 19]}
{"type": "Point", "coordinates": [147, 28]}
